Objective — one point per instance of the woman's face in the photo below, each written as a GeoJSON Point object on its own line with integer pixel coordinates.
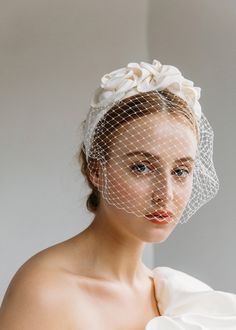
{"type": "Point", "coordinates": [150, 169]}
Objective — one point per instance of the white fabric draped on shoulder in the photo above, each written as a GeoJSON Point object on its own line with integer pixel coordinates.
{"type": "Point", "coordinates": [186, 303]}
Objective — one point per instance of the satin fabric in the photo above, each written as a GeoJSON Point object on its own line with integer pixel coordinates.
{"type": "Point", "coordinates": [186, 303]}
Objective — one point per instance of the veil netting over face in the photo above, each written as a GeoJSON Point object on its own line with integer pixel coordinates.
{"type": "Point", "coordinates": [147, 135]}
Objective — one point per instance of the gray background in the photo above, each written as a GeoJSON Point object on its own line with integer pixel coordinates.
{"type": "Point", "coordinates": [52, 55]}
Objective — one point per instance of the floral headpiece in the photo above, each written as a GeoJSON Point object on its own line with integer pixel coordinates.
{"type": "Point", "coordinates": [144, 77]}
{"type": "Point", "coordinates": [134, 79]}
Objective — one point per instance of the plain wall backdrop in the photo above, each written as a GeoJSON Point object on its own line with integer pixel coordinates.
{"type": "Point", "coordinates": [52, 55]}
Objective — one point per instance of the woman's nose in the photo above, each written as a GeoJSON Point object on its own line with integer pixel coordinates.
{"type": "Point", "coordinates": [163, 189]}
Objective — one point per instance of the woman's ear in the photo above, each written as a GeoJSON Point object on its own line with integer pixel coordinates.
{"type": "Point", "coordinates": [94, 173]}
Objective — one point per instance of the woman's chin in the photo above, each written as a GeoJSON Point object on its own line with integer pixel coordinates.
{"type": "Point", "coordinates": [158, 240]}
{"type": "Point", "coordinates": [158, 236]}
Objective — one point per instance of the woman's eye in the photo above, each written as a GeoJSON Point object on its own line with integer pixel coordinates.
{"type": "Point", "coordinates": [181, 172]}
{"type": "Point", "coordinates": [141, 168]}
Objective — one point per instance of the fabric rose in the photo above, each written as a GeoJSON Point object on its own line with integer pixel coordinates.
{"type": "Point", "coordinates": [145, 77]}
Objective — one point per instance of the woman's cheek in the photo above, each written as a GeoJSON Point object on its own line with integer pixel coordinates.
{"type": "Point", "coordinates": [124, 188]}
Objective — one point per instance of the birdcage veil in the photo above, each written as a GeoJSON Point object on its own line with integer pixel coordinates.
{"type": "Point", "coordinates": [144, 122]}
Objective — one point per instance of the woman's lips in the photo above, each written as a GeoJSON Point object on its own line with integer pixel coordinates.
{"type": "Point", "coordinates": [161, 217]}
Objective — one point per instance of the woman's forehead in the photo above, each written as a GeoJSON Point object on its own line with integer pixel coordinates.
{"type": "Point", "coordinates": [157, 137]}
{"type": "Point", "coordinates": [155, 123]}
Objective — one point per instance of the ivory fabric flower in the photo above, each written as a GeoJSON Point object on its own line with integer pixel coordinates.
{"type": "Point", "coordinates": [138, 78]}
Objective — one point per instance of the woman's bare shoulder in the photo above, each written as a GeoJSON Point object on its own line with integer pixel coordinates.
{"type": "Point", "coordinates": [39, 292]}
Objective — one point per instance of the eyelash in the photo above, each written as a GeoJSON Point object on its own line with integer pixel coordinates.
{"type": "Point", "coordinates": [133, 168]}
{"type": "Point", "coordinates": [136, 165]}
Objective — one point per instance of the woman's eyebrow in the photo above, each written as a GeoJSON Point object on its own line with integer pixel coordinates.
{"type": "Point", "coordinates": [156, 157]}
{"type": "Point", "coordinates": [142, 153]}
{"type": "Point", "coordinates": [185, 159]}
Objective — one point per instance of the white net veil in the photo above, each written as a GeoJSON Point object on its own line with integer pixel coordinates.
{"type": "Point", "coordinates": [148, 145]}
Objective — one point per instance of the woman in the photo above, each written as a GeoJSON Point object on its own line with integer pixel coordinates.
{"type": "Point", "coordinates": [147, 156]}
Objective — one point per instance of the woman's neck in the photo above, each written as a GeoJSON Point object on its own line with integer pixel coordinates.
{"type": "Point", "coordinates": [112, 254]}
